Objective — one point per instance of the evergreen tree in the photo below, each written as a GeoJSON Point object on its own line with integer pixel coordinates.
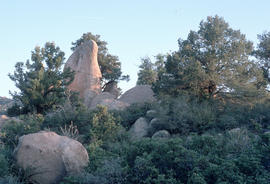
{"type": "Point", "coordinates": [212, 60]}
{"type": "Point", "coordinates": [147, 74]}
{"type": "Point", "coordinates": [109, 64]}
{"type": "Point", "coordinates": [149, 71]}
{"type": "Point", "coordinates": [41, 82]}
{"type": "Point", "coordinates": [263, 54]}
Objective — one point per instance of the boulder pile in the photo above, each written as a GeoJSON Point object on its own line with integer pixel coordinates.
{"type": "Point", "coordinates": [87, 79]}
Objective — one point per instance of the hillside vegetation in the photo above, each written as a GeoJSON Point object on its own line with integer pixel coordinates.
{"type": "Point", "coordinates": [212, 96]}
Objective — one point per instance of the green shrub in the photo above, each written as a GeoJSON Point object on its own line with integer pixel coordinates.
{"type": "Point", "coordinates": [148, 160]}
{"type": "Point", "coordinates": [4, 165]}
{"type": "Point", "coordinates": [103, 126]}
{"type": "Point", "coordinates": [196, 178]}
{"type": "Point", "coordinates": [199, 159]}
{"type": "Point", "coordinates": [239, 140]}
{"type": "Point", "coordinates": [128, 116]}
{"type": "Point", "coordinates": [64, 115]}
{"type": "Point", "coordinates": [226, 122]}
{"type": "Point", "coordinates": [260, 115]}
{"type": "Point", "coordinates": [14, 129]}
{"type": "Point", "coordinates": [103, 131]}
{"type": "Point", "coordinates": [14, 110]}
{"type": "Point", "coordinates": [255, 116]}
{"type": "Point", "coordinates": [110, 172]}
{"type": "Point", "coordinates": [84, 178]}
{"type": "Point", "coordinates": [10, 180]}
{"type": "Point", "coordinates": [195, 159]}
{"type": "Point", "coordinates": [265, 150]}
{"type": "Point", "coordinates": [184, 115]}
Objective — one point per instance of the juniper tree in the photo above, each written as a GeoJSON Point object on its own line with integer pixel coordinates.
{"type": "Point", "coordinates": [262, 53]}
{"type": "Point", "coordinates": [41, 81]}
{"type": "Point", "coordinates": [149, 70]}
{"type": "Point", "coordinates": [213, 59]}
{"type": "Point", "coordinates": [147, 74]}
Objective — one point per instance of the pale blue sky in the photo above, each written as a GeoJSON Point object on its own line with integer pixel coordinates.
{"type": "Point", "coordinates": [133, 29]}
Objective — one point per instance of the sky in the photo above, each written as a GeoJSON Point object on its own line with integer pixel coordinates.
{"type": "Point", "coordinates": [133, 29]}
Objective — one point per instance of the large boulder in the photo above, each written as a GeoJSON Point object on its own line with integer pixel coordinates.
{"type": "Point", "coordinates": [89, 95]}
{"type": "Point", "coordinates": [48, 157]}
{"type": "Point", "coordinates": [138, 94]}
{"type": "Point", "coordinates": [84, 63]}
{"type": "Point", "coordinates": [108, 100]}
{"type": "Point", "coordinates": [139, 129]}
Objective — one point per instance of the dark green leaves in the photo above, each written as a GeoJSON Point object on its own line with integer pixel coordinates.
{"type": "Point", "coordinates": [41, 82]}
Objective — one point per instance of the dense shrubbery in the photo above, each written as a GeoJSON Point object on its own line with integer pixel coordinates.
{"type": "Point", "coordinates": [3, 162]}
{"type": "Point", "coordinates": [183, 115]}
{"type": "Point", "coordinates": [66, 114]}
{"type": "Point", "coordinates": [127, 117]}
{"type": "Point", "coordinates": [14, 129]}
{"type": "Point", "coordinates": [212, 142]}
{"type": "Point", "coordinates": [195, 159]}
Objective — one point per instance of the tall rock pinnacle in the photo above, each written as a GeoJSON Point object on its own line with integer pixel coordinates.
{"type": "Point", "coordinates": [84, 63]}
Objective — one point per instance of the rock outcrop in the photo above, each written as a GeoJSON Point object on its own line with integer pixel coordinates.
{"type": "Point", "coordinates": [85, 65]}
{"type": "Point", "coordinates": [48, 156]}
{"type": "Point", "coordinates": [87, 82]}
{"type": "Point", "coordinates": [139, 129]}
{"type": "Point", "coordinates": [138, 94]}
{"type": "Point", "coordinates": [161, 134]}
{"type": "Point", "coordinates": [108, 100]}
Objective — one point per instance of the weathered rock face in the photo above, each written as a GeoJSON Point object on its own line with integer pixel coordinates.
{"type": "Point", "coordinates": [50, 156]}
{"type": "Point", "coordinates": [89, 95]}
{"type": "Point", "coordinates": [108, 100]}
{"type": "Point", "coordinates": [85, 65]}
{"type": "Point", "coordinates": [139, 129]}
{"type": "Point", "coordinates": [161, 134]}
{"type": "Point", "coordinates": [138, 94]}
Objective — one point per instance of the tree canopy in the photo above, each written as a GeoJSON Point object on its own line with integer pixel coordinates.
{"type": "Point", "coordinates": [263, 54]}
{"type": "Point", "coordinates": [41, 82]}
{"type": "Point", "coordinates": [109, 64]}
{"type": "Point", "coordinates": [213, 59]}
{"type": "Point", "coordinates": [147, 74]}
{"type": "Point", "coordinates": [149, 70]}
